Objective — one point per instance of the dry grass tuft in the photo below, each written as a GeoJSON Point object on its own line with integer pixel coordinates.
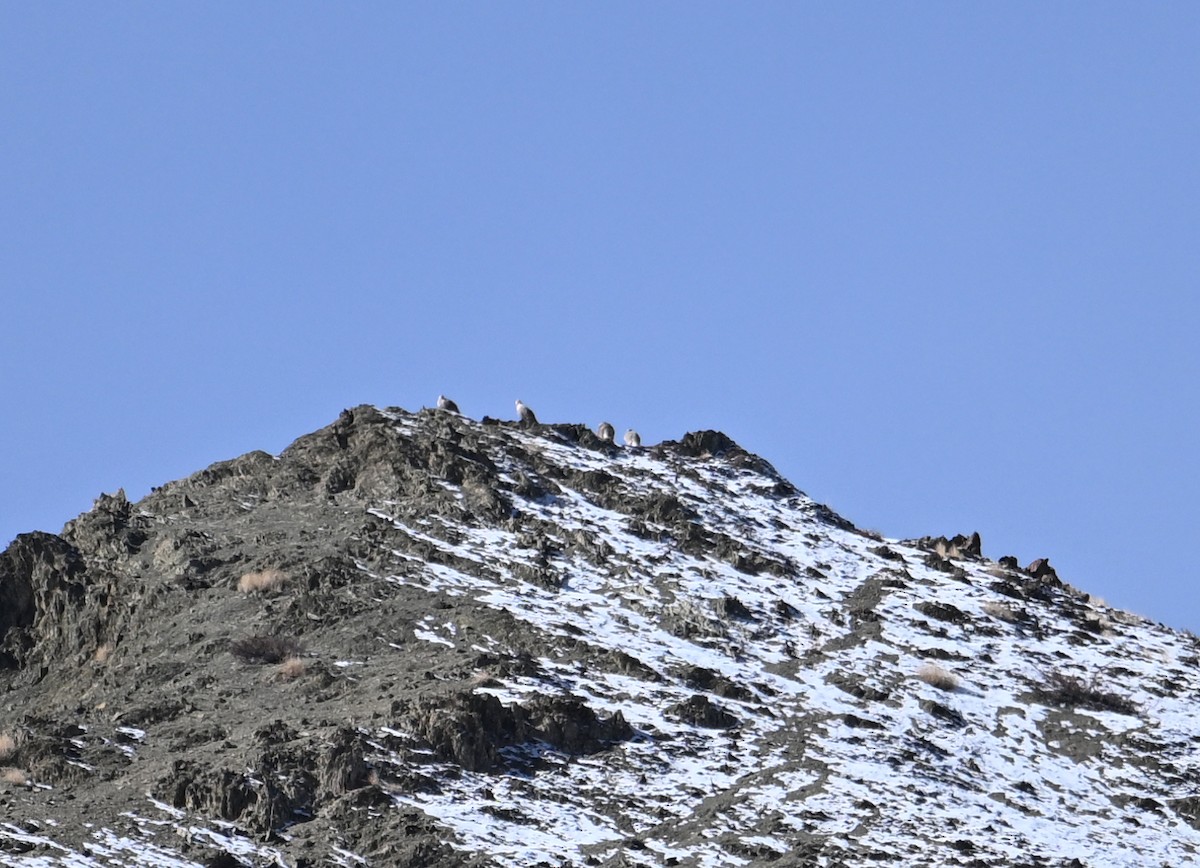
{"type": "Point", "coordinates": [102, 654]}
{"type": "Point", "coordinates": [938, 677]}
{"type": "Point", "coordinates": [262, 582]}
{"type": "Point", "coordinates": [291, 669]}
{"type": "Point", "coordinates": [265, 649]}
{"type": "Point", "coordinates": [8, 745]}
{"type": "Point", "coordinates": [14, 776]}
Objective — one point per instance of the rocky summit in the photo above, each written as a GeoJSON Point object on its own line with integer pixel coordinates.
{"type": "Point", "coordinates": [418, 639]}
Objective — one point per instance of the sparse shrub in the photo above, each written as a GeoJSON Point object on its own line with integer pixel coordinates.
{"type": "Point", "coordinates": [1003, 611]}
{"type": "Point", "coordinates": [8, 745]}
{"type": "Point", "coordinates": [262, 582]}
{"type": "Point", "coordinates": [1070, 691]}
{"type": "Point", "coordinates": [938, 677]}
{"type": "Point", "coordinates": [292, 668]}
{"type": "Point", "coordinates": [265, 649]}
{"type": "Point", "coordinates": [14, 776]}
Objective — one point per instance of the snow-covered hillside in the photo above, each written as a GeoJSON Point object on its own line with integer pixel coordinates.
{"type": "Point", "coordinates": [746, 677]}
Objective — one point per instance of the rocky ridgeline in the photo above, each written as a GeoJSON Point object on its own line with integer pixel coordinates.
{"type": "Point", "coordinates": [417, 639]}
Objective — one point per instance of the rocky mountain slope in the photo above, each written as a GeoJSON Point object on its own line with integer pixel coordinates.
{"type": "Point", "coordinates": [418, 639]}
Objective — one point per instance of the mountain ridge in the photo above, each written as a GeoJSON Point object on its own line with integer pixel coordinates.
{"type": "Point", "coordinates": [418, 639]}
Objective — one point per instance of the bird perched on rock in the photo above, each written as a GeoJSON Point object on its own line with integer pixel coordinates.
{"type": "Point", "coordinates": [632, 438]}
{"type": "Point", "coordinates": [527, 417]}
{"type": "Point", "coordinates": [445, 403]}
{"type": "Point", "coordinates": [606, 432]}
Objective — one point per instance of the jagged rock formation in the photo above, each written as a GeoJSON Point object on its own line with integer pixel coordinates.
{"type": "Point", "coordinates": [416, 639]}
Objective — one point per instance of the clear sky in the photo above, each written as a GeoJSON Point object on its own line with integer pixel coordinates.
{"type": "Point", "coordinates": [938, 262]}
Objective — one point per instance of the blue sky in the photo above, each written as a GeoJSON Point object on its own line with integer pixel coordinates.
{"type": "Point", "coordinates": [936, 261]}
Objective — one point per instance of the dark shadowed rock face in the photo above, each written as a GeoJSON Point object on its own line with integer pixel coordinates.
{"type": "Point", "coordinates": [472, 730]}
{"type": "Point", "coordinates": [700, 711]}
{"type": "Point", "coordinates": [43, 586]}
{"type": "Point", "coordinates": [415, 639]}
